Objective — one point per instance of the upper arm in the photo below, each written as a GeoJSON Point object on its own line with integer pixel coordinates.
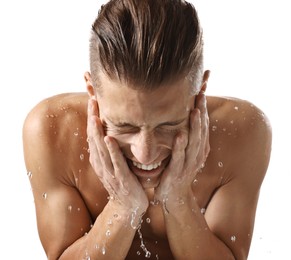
{"type": "Point", "coordinates": [231, 211]}
{"type": "Point", "coordinates": [62, 216]}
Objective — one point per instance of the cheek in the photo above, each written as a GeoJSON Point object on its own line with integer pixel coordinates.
{"type": "Point", "coordinates": [124, 141]}
{"type": "Point", "coordinates": [166, 139]}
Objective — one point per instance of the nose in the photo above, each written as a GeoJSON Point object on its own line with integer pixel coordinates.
{"type": "Point", "coordinates": [145, 147]}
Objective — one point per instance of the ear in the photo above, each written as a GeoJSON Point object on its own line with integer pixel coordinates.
{"type": "Point", "coordinates": [206, 76]}
{"type": "Point", "coordinates": [89, 85]}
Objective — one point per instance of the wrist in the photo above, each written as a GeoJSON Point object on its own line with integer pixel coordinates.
{"type": "Point", "coordinates": [132, 215]}
{"type": "Point", "coordinates": [175, 203]}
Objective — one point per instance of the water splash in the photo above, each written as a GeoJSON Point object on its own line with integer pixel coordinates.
{"type": "Point", "coordinates": [142, 245]}
{"type": "Point", "coordinates": [134, 219]}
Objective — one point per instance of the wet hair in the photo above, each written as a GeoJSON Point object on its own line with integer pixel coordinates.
{"type": "Point", "coordinates": [147, 43]}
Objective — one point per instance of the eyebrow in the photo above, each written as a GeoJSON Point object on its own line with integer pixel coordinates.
{"type": "Point", "coordinates": [173, 123]}
{"type": "Point", "coordinates": [169, 123]}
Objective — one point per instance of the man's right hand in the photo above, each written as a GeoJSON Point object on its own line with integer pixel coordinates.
{"type": "Point", "coordinates": [109, 164]}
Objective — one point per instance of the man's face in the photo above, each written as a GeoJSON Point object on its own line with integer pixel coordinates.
{"type": "Point", "coordinates": [145, 124]}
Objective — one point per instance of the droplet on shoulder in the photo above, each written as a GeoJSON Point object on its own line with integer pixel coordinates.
{"type": "Point", "coordinates": [108, 233]}
{"type": "Point", "coordinates": [29, 175]}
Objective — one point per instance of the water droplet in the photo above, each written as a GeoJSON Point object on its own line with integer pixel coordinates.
{"type": "Point", "coordinates": [155, 202]}
{"type": "Point", "coordinates": [29, 175]}
{"type": "Point", "coordinates": [70, 208]}
{"type": "Point", "coordinates": [108, 233]}
{"type": "Point", "coordinates": [78, 209]}
{"type": "Point", "coordinates": [111, 197]}
{"type": "Point", "coordinates": [214, 127]}
{"type": "Point", "coordinates": [148, 254]}
{"type": "Point", "coordinates": [203, 210]}
{"type": "Point", "coordinates": [44, 195]}
{"type": "Point", "coordinates": [236, 107]}
{"type": "Point", "coordinates": [51, 116]}
{"type": "Point", "coordinates": [148, 220]}
{"type": "Point", "coordinates": [76, 133]}
{"type": "Point", "coordinates": [195, 181]}
{"type": "Point", "coordinates": [115, 215]}
{"type": "Point", "coordinates": [180, 201]}
{"type": "Point", "coordinates": [103, 250]}
{"type": "Point", "coordinates": [231, 122]}
{"type": "Point", "coordinates": [220, 164]}
{"type": "Point", "coordinates": [149, 180]}
{"type": "Point", "coordinates": [138, 253]}
{"type": "Point", "coordinates": [82, 157]}
{"type": "Point", "coordinates": [233, 238]}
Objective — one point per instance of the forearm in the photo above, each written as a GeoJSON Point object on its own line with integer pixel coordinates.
{"type": "Point", "coordinates": [188, 232]}
{"type": "Point", "coordinates": [109, 238]}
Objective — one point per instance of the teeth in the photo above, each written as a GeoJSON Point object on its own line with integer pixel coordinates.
{"type": "Point", "coordinates": [147, 167]}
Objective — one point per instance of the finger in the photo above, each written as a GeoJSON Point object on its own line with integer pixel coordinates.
{"type": "Point", "coordinates": [204, 127]}
{"type": "Point", "coordinates": [175, 167]}
{"type": "Point", "coordinates": [96, 141]}
{"type": "Point", "coordinates": [119, 163]}
{"type": "Point", "coordinates": [91, 125]}
{"type": "Point", "coordinates": [194, 143]}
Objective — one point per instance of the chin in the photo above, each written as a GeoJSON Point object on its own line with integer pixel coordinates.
{"type": "Point", "coordinates": [149, 183]}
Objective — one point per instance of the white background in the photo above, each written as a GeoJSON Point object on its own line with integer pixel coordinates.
{"type": "Point", "coordinates": [44, 51]}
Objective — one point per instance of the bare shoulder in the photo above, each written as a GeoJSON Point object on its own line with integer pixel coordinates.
{"type": "Point", "coordinates": [244, 134]}
{"type": "Point", "coordinates": [56, 112]}
{"type": "Point", "coordinates": [50, 127]}
{"type": "Point", "coordinates": [55, 108]}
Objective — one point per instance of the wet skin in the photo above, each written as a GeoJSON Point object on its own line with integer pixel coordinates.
{"type": "Point", "coordinates": [77, 183]}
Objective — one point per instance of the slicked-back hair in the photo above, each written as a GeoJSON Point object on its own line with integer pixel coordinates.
{"type": "Point", "coordinates": [147, 43]}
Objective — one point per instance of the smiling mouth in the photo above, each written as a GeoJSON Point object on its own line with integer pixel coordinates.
{"type": "Point", "coordinates": [148, 167]}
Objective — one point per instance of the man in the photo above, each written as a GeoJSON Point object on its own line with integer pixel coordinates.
{"type": "Point", "coordinates": [146, 166]}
